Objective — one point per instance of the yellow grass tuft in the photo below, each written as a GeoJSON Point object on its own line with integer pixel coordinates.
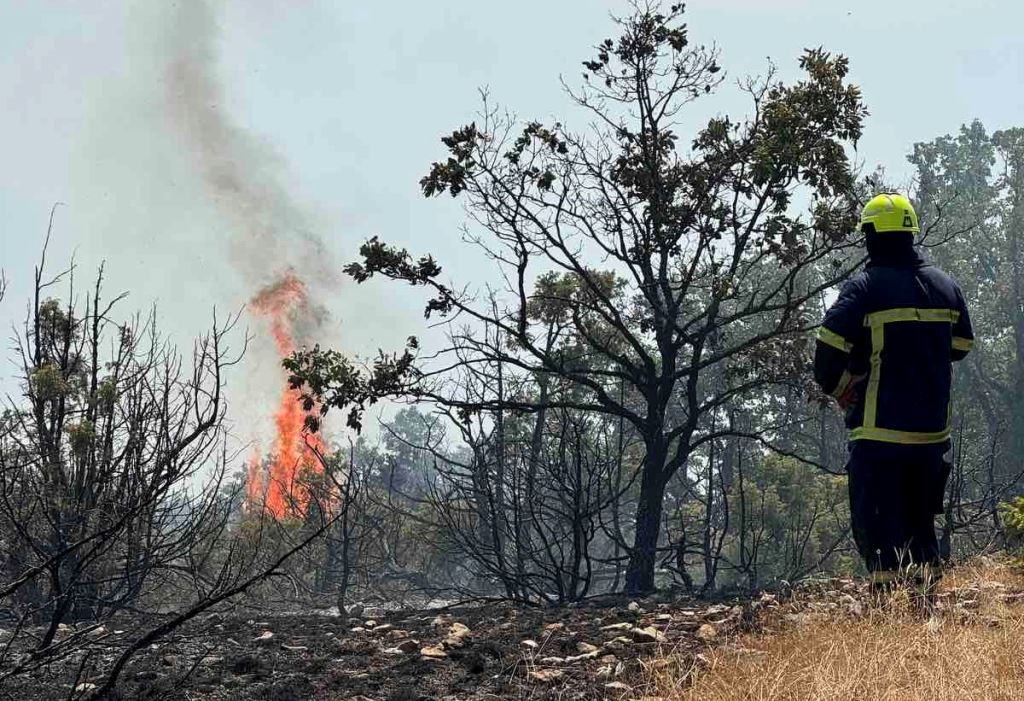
{"type": "Point", "coordinates": [972, 649]}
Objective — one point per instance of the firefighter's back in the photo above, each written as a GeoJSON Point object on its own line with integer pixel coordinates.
{"type": "Point", "coordinates": [911, 316]}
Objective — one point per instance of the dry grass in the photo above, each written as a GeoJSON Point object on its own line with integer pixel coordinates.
{"type": "Point", "coordinates": [972, 649]}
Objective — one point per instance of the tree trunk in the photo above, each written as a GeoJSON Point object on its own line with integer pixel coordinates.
{"type": "Point", "coordinates": [640, 571]}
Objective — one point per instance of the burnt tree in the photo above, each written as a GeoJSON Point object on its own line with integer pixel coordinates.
{"type": "Point", "coordinates": [673, 261]}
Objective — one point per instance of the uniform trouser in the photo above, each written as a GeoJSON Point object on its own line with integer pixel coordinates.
{"type": "Point", "coordinates": [895, 492]}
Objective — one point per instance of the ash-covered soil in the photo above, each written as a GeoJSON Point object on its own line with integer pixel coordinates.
{"type": "Point", "coordinates": [611, 649]}
{"type": "Point", "coordinates": [486, 651]}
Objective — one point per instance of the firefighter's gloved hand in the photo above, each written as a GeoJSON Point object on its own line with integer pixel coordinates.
{"type": "Point", "coordinates": [849, 397]}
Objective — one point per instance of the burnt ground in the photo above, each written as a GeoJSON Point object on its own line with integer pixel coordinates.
{"type": "Point", "coordinates": [487, 651]}
{"type": "Point", "coordinates": [611, 649]}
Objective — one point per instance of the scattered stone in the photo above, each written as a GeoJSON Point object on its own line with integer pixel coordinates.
{"type": "Point", "coordinates": [707, 632]}
{"type": "Point", "coordinates": [357, 629]}
{"type": "Point", "coordinates": [294, 648]}
{"type": "Point", "coordinates": [552, 660]}
{"type": "Point", "coordinates": [650, 634]}
{"type": "Point", "coordinates": [633, 607]}
{"type": "Point", "coordinates": [663, 618]}
{"type": "Point", "coordinates": [355, 610]}
{"type": "Point", "coordinates": [582, 658]}
{"type": "Point", "coordinates": [210, 660]}
{"type": "Point", "coordinates": [618, 626]}
{"type": "Point", "coordinates": [529, 644]}
{"type": "Point", "coordinates": [264, 636]}
{"type": "Point", "coordinates": [457, 635]}
{"type": "Point", "coordinates": [586, 648]}
{"type": "Point", "coordinates": [409, 646]}
{"type": "Point", "coordinates": [554, 627]}
{"type": "Point", "coordinates": [546, 676]}
{"type": "Point", "coordinates": [370, 623]}
{"type": "Point", "coordinates": [433, 652]}
{"type": "Point", "coordinates": [618, 643]}
{"type": "Point", "coordinates": [382, 627]}
{"type": "Point", "coordinates": [852, 605]}
{"type": "Point", "coordinates": [86, 686]}
{"type": "Point", "coordinates": [169, 660]}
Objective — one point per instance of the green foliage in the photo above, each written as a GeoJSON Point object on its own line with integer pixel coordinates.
{"type": "Point", "coordinates": [787, 520]}
{"type": "Point", "coordinates": [81, 436]}
{"type": "Point", "coordinates": [48, 382]}
{"type": "Point", "coordinates": [705, 262]}
{"type": "Point", "coordinates": [327, 378]}
{"type": "Point", "coordinates": [1012, 513]}
{"type": "Point", "coordinates": [971, 199]}
{"type": "Point", "coordinates": [397, 264]}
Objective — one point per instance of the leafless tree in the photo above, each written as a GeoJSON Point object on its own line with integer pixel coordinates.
{"type": "Point", "coordinates": [113, 502]}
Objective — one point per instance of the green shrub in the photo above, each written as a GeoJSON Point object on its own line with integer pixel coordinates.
{"type": "Point", "coordinates": [1013, 527]}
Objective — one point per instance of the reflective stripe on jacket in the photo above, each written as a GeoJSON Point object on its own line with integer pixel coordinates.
{"type": "Point", "coordinates": [889, 340]}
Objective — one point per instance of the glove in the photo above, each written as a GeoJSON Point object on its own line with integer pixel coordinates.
{"type": "Point", "coordinates": [849, 396]}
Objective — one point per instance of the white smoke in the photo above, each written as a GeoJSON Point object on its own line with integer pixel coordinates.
{"type": "Point", "coordinates": [242, 175]}
{"type": "Point", "coordinates": [270, 236]}
{"type": "Point", "coordinates": [189, 208]}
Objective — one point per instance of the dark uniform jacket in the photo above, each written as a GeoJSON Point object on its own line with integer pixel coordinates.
{"type": "Point", "coordinates": [888, 342]}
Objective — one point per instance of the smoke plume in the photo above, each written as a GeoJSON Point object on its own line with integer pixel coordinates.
{"type": "Point", "coordinates": [269, 234]}
{"type": "Point", "coordinates": [271, 241]}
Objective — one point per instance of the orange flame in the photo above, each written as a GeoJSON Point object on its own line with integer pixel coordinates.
{"type": "Point", "coordinates": [294, 453]}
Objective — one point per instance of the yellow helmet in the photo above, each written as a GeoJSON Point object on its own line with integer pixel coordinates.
{"type": "Point", "coordinates": [890, 212]}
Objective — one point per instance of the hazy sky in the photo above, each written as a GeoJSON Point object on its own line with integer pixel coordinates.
{"type": "Point", "coordinates": [342, 104]}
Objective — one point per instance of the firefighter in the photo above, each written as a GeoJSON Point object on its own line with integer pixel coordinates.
{"type": "Point", "coordinates": [884, 351]}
